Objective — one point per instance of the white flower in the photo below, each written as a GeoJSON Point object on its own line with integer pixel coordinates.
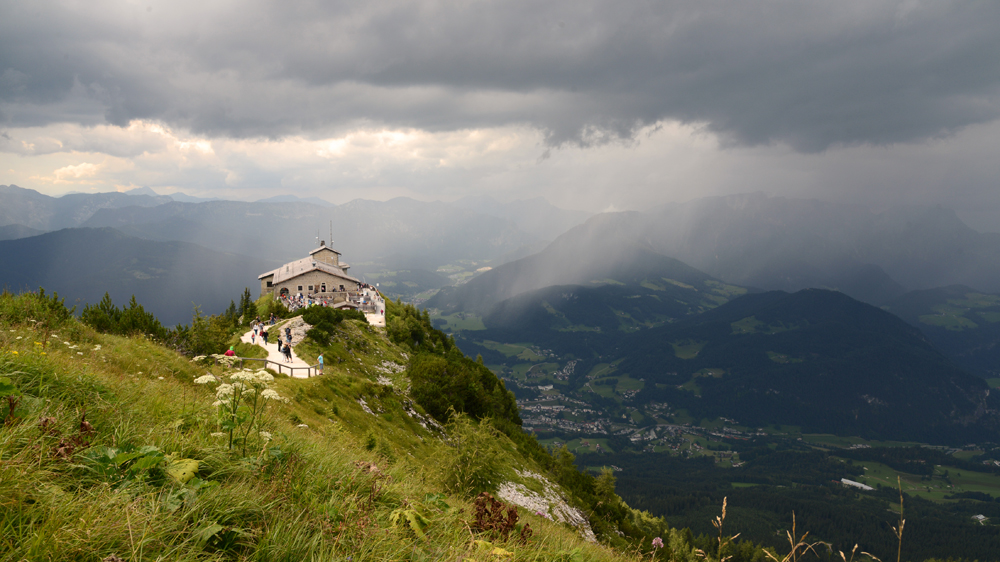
{"type": "Point", "coordinates": [97, 347]}
{"type": "Point", "coordinates": [224, 391]}
{"type": "Point", "coordinates": [161, 378]}
{"type": "Point", "coordinates": [198, 358]}
{"type": "Point", "coordinates": [205, 379]}
{"type": "Point", "coordinates": [242, 376]}
{"type": "Point", "coordinates": [217, 403]}
{"type": "Point", "coordinates": [81, 353]}
{"type": "Point", "coordinates": [18, 337]}
{"type": "Point", "coordinates": [218, 434]}
{"type": "Point", "coordinates": [269, 394]}
{"type": "Point", "coordinates": [265, 435]}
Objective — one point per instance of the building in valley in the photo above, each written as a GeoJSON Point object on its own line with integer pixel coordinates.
{"type": "Point", "coordinates": [321, 275]}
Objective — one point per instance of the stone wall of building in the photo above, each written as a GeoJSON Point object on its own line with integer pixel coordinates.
{"type": "Point", "coordinates": [327, 255]}
{"type": "Point", "coordinates": [316, 279]}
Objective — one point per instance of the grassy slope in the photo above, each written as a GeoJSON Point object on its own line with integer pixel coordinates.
{"type": "Point", "coordinates": [300, 497]}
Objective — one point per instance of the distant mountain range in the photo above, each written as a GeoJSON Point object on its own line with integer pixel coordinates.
{"type": "Point", "coordinates": [167, 278]}
{"type": "Point", "coordinates": [29, 208]}
{"type": "Point", "coordinates": [815, 359]}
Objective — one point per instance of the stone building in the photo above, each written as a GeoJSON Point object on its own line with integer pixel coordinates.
{"type": "Point", "coordinates": [321, 275]}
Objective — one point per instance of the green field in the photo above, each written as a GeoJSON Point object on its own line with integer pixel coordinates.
{"type": "Point", "coordinates": [936, 489]}
{"type": "Point", "coordinates": [782, 358]}
{"type": "Point", "coordinates": [687, 349]}
{"type": "Point", "coordinates": [994, 383]}
{"type": "Point", "coordinates": [628, 383]}
{"type": "Point", "coordinates": [949, 318]}
{"type": "Point", "coordinates": [460, 321]}
{"type": "Point", "coordinates": [521, 351]}
{"type": "Point", "coordinates": [748, 325]}
{"type": "Point", "coordinates": [728, 291]}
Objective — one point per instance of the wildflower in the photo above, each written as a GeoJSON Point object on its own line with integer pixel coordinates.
{"type": "Point", "coordinates": [265, 435]}
{"type": "Point", "coordinates": [15, 352]}
{"type": "Point", "coordinates": [79, 353]}
{"type": "Point", "coordinates": [269, 394]}
{"type": "Point", "coordinates": [38, 343]}
{"type": "Point", "coordinates": [218, 434]}
{"type": "Point", "coordinates": [205, 379]}
{"type": "Point", "coordinates": [161, 378]}
{"type": "Point", "coordinates": [224, 392]}
{"type": "Point", "coordinates": [97, 347]}
{"type": "Point", "coordinates": [43, 353]}
{"type": "Point", "coordinates": [198, 358]}
{"type": "Point", "coordinates": [657, 542]}
{"type": "Point", "coordinates": [18, 337]}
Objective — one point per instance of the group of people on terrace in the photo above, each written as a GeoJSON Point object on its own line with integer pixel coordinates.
{"type": "Point", "coordinates": [366, 298]}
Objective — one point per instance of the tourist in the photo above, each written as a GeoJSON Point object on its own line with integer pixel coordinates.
{"type": "Point", "coordinates": [288, 353]}
{"type": "Point", "coordinates": [319, 369]}
{"type": "Point", "coordinates": [230, 352]}
{"type": "Point", "coordinates": [263, 335]}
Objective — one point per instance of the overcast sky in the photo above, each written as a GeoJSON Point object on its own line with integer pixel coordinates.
{"type": "Point", "coordinates": [594, 105]}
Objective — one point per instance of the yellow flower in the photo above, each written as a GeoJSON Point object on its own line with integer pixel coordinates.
{"type": "Point", "coordinates": [38, 343]}
{"type": "Point", "coordinates": [43, 353]}
{"type": "Point", "coordinates": [14, 352]}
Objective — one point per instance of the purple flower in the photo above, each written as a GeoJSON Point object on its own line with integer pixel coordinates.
{"type": "Point", "coordinates": [657, 542]}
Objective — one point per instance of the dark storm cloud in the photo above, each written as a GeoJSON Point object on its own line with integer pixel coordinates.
{"type": "Point", "coordinates": [811, 74]}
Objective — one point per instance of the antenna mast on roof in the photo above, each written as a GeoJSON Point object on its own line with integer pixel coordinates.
{"type": "Point", "coordinates": [331, 234]}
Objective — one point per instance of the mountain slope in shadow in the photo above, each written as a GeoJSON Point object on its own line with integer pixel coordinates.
{"type": "Point", "coordinates": [168, 278]}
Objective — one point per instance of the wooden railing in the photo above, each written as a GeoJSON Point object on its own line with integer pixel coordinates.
{"type": "Point", "coordinates": [280, 367]}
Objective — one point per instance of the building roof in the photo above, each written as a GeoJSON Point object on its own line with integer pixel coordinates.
{"type": "Point", "coordinates": [300, 267]}
{"type": "Point", "coordinates": [323, 246]}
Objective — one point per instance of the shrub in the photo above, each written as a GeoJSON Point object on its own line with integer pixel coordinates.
{"type": "Point", "coordinates": [324, 321]}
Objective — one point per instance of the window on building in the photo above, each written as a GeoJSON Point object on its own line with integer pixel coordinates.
{"type": "Point", "coordinates": [310, 287]}
{"type": "Point", "coordinates": [270, 284]}
{"type": "Point", "coordinates": [322, 288]}
{"type": "Point", "coordinates": [300, 287]}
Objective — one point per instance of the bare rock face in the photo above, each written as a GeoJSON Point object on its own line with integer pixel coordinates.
{"type": "Point", "coordinates": [549, 504]}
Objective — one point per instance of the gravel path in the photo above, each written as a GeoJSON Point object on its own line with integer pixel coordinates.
{"type": "Point", "coordinates": [298, 332]}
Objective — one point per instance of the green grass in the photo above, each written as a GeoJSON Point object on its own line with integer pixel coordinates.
{"type": "Point", "coordinates": [601, 369]}
{"type": "Point", "coordinates": [687, 349]}
{"type": "Point", "coordinates": [782, 358]}
{"type": "Point", "coordinates": [728, 291]}
{"type": "Point", "coordinates": [461, 322]}
{"type": "Point", "coordinates": [949, 317]}
{"type": "Point", "coordinates": [302, 496]}
{"type": "Point", "coordinates": [935, 489]}
{"type": "Point", "coordinates": [628, 383]}
{"type": "Point", "coordinates": [677, 283]}
{"type": "Point", "coordinates": [748, 325]}
{"type": "Point", "coordinates": [994, 382]}
{"type": "Point", "coordinates": [521, 351]}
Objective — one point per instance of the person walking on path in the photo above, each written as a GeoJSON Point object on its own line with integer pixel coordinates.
{"type": "Point", "coordinates": [288, 353]}
{"type": "Point", "coordinates": [263, 335]}
{"type": "Point", "coordinates": [229, 352]}
{"type": "Point", "coordinates": [253, 335]}
{"type": "Point", "coordinates": [319, 369]}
